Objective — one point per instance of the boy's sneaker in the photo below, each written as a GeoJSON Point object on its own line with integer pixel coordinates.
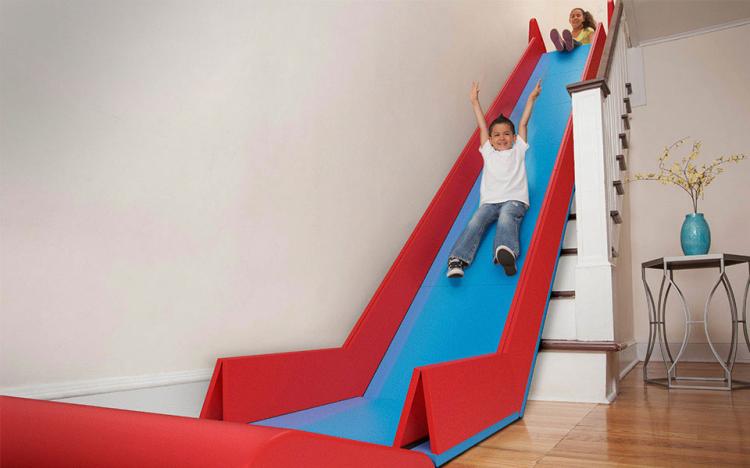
{"type": "Point", "coordinates": [568, 40]}
{"type": "Point", "coordinates": [505, 257]}
{"type": "Point", "coordinates": [455, 268]}
{"type": "Point", "coordinates": [555, 36]}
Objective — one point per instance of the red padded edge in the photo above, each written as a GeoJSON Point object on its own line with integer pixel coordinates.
{"type": "Point", "coordinates": [522, 326]}
{"type": "Point", "coordinates": [610, 11]}
{"type": "Point", "coordinates": [246, 389]}
{"type": "Point", "coordinates": [534, 32]}
{"type": "Point", "coordinates": [467, 396]}
{"type": "Point", "coordinates": [256, 387]}
{"type": "Point", "coordinates": [42, 433]}
{"type": "Point", "coordinates": [464, 399]}
{"type": "Point", "coordinates": [45, 434]}
{"type": "Point", "coordinates": [595, 54]}
{"type": "Point", "coordinates": [413, 423]}
{"type": "Point", "coordinates": [213, 407]}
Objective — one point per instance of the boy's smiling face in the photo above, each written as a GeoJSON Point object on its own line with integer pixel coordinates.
{"type": "Point", "coordinates": [502, 137]}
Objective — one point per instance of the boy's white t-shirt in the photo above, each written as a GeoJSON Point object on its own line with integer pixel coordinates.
{"type": "Point", "coordinates": [504, 176]}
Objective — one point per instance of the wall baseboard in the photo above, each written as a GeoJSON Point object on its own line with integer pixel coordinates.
{"type": "Point", "coordinates": [79, 388]}
{"type": "Point", "coordinates": [628, 359]}
{"type": "Point", "coordinates": [108, 391]}
{"type": "Point", "coordinates": [185, 399]}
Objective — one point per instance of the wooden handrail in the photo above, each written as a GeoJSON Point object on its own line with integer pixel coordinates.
{"type": "Point", "coordinates": [609, 46]}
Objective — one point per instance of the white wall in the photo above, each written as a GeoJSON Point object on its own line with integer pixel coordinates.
{"type": "Point", "coordinates": [183, 181]}
{"type": "Point", "coordinates": [695, 87]}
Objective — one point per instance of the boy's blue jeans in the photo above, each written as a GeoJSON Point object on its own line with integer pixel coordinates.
{"type": "Point", "coordinates": [508, 216]}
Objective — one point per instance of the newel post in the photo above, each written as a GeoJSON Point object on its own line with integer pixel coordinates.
{"type": "Point", "coordinates": [594, 272]}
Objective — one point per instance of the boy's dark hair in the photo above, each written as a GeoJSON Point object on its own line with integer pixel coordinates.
{"type": "Point", "coordinates": [502, 120]}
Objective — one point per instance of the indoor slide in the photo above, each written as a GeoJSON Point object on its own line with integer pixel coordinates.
{"type": "Point", "coordinates": [437, 364]}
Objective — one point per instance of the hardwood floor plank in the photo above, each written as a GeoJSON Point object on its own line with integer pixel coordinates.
{"type": "Point", "coordinates": [481, 456]}
{"type": "Point", "coordinates": [563, 462]}
{"type": "Point", "coordinates": [647, 425]}
{"type": "Point", "coordinates": [648, 449]}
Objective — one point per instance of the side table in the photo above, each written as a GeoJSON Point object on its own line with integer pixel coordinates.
{"type": "Point", "coordinates": [657, 327]}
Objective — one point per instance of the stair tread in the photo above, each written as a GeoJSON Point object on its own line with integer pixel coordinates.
{"type": "Point", "coordinates": [577, 345]}
{"type": "Point", "coordinates": [563, 294]}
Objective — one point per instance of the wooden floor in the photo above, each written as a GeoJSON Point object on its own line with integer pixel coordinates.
{"type": "Point", "coordinates": [645, 426]}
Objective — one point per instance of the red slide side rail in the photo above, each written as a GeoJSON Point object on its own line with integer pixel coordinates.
{"type": "Point", "coordinates": [595, 55]}
{"type": "Point", "coordinates": [283, 382]}
{"type": "Point", "coordinates": [535, 33]}
{"type": "Point", "coordinates": [450, 402]}
{"type": "Point", "coordinates": [521, 334]}
{"type": "Point", "coordinates": [251, 388]}
{"type": "Point", "coordinates": [465, 397]}
{"type": "Point", "coordinates": [36, 433]}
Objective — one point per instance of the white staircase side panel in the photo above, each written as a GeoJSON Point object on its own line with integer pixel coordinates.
{"type": "Point", "coordinates": [573, 204]}
{"type": "Point", "coordinates": [560, 323]}
{"type": "Point", "coordinates": [565, 278]}
{"type": "Point", "coordinates": [570, 241]}
{"type": "Point", "coordinates": [570, 376]}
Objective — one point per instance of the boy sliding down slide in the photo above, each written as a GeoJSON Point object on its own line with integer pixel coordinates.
{"type": "Point", "coordinates": [503, 193]}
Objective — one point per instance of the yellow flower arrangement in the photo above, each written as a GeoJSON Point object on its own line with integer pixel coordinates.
{"type": "Point", "coordinates": [686, 174]}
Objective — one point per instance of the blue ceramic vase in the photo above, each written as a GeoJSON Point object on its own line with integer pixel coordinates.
{"type": "Point", "coordinates": [695, 236]}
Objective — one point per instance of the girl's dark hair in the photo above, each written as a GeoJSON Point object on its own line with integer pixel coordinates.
{"type": "Point", "coordinates": [588, 19]}
{"type": "Point", "coordinates": [502, 120]}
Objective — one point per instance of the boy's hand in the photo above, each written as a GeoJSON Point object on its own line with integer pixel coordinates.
{"type": "Point", "coordinates": [474, 94]}
{"type": "Point", "coordinates": [478, 113]}
{"type": "Point", "coordinates": [537, 89]}
{"type": "Point", "coordinates": [523, 124]}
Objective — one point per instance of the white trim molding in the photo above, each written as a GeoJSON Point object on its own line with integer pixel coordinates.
{"type": "Point", "coordinates": [696, 32]}
{"type": "Point", "coordinates": [628, 358]}
{"type": "Point", "coordinates": [56, 391]}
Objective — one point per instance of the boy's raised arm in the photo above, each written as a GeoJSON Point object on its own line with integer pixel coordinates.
{"type": "Point", "coordinates": [523, 124]}
{"type": "Point", "coordinates": [484, 135]}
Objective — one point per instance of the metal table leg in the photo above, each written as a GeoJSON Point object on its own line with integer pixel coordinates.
{"type": "Point", "coordinates": [657, 328]}
{"type": "Point", "coordinates": [652, 324]}
{"type": "Point", "coordinates": [672, 370]}
{"type": "Point", "coordinates": [744, 310]}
